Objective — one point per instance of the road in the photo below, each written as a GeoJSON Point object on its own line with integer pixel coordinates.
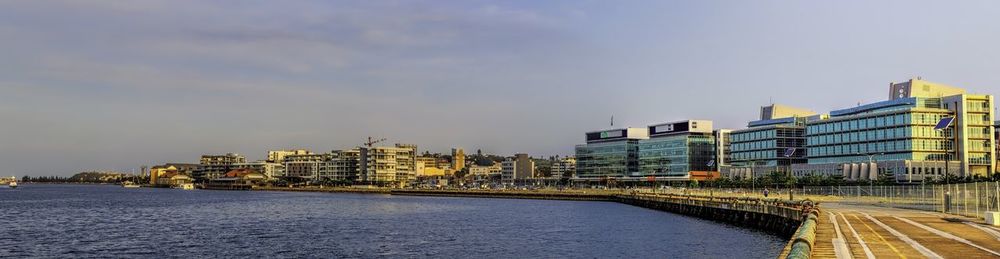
{"type": "Point", "coordinates": [859, 231]}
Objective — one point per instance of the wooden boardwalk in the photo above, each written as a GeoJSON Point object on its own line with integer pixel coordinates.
{"type": "Point", "coordinates": [856, 231]}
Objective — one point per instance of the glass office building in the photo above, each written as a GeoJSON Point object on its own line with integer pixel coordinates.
{"type": "Point", "coordinates": [678, 151]}
{"type": "Point", "coordinates": [610, 153]}
{"type": "Point", "coordinates": [897, 138]}
{"type": "Point", "coordinates": [765, 143]}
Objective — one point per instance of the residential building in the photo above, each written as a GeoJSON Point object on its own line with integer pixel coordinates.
{"type": "Point", "coordinates": [457, 159]}
{"type": "Point", "coordinates": [342, 166]}
{"type": "Point", "coordinates": [478, 170]}
{"type": "Point", "coordinates": [996, 143]}
{"type": "Point", "coordinates": [388, 165]}
{"type": "Point", "coordinates": [305, 167]}
{"type": "Point", "coordinates": [564, 168]}
{"type": "Point", "coordinates": [771, 144]}
{"type": "Point", "coordinates": [609, 153]}
{"type": "Point", "coordinates": [406, 163]}
{"type": "Point", "coordinates": [214, 166]}
{"type": "Point", "coordinates": [271, 170]}
{"type": "Point", "coordinates": [519, 167]}
{"type": "Point", "coordinates": [897, 139]}
{"type": "Point", "coordinates": [278, 156]}
{"type": "Point", "coordinates": [677, 151]}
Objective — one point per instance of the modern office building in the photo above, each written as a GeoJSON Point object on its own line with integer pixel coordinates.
{"type": "Point", "coordinates": [723, 151]}
{"type": "Point", "coordinates": [609, 154]}
{"type": "Point", "coordinates": [457, 159]}
{"type": "Point", "coordinates": [897, 138]}
{"type": "Point", "coordinates": [770, 144]}
{"type": "Point", "coordinates": [677, 151]}
{"type": "Point", "coordinates": [214, 166]}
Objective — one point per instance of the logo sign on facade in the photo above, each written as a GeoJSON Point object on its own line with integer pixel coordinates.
{"type": "Point", "coordinates": [611, 134]}
{"type": "Point", "coordinates": [711, 163]}
{"type": "Point", "coordinates": [664, 128]}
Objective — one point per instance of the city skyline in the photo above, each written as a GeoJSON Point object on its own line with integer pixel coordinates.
{"type": "Point", "coordinates": [111, 85]}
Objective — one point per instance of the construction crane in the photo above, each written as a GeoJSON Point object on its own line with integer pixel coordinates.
{"type": "Point", "coordinates": [372, 141]}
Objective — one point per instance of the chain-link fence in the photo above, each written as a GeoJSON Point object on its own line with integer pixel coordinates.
{"type": "Point", "coordinates": [966, 199]}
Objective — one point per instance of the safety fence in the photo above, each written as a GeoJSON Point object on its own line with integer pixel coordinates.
{"type": "Point", "coordinates": [966, 199]}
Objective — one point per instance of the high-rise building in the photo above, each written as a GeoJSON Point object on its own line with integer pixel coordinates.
{"type": "Point", "coordinates": [406, 164]}
{"type": "Point", "coordinates": [898, 139]}
{"type": "Point", "coordinates": [682, 150]}
{"type": "Point", "coordinates": [457, 159]}
{"type": "Point", "coordinates": [771, 144]}
{"type": "Point", "coordinates": [214, 166]}
{"type": "Point", "coordinates": [609, 153]}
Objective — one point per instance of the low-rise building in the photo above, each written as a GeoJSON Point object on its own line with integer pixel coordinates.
{"type": "Point", "coordinates": [271, 170]}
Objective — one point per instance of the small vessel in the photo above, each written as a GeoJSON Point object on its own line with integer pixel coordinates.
{"type": "Point", "coordinates": [130, 184]}
{"type": "Point", "coordinates": [184, 186]}
{"type": "Point", "coordinates": [12, 184]}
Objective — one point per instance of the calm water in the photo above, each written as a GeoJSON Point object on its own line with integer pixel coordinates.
{"type": "Point", "coordinates": [110, 221]}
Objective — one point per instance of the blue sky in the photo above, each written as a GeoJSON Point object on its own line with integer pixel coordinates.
{"type": "Point", "coordinates": [112, 85]}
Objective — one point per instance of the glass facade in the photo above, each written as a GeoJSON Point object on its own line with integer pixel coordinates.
{"type": "Point", "coordinates": [607, 159]}
{"type": "Point", "coordinates": [887, 135]}
{"type": "Point", "coordinates": [676, 155]}
{"type": "Point", "coordinates": [766, 145]}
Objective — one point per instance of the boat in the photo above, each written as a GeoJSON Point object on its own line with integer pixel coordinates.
{"type": "Point", "coordinates": [130, 184]}
{"type": "Point", "coordinates": [12, 184]}
{"type": "Point", "coordinates": [184, 186]}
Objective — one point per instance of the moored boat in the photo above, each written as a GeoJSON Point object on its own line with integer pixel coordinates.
{"type": "Point", "coordinates": [130, 184]}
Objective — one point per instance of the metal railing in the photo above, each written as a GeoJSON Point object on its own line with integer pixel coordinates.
{"type": "Point", "coordinates": [966, 199]}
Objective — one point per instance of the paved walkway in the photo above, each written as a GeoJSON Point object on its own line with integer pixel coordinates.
{"type": "Point", "coordinates": [858, 231]}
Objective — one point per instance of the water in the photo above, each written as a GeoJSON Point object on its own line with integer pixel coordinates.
{"type": "Point", "coordinates": [110, 221]}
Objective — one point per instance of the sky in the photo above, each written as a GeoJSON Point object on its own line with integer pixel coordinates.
{"type": "Point", "coordinates": [114, 85]}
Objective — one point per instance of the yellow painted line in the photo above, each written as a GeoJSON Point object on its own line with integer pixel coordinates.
{"type": "Point", "coordinates": [913, 243]}
{"type": "Point", "coordinates": [880, 237]}
{"type": "Point", "coordinates": [864, 246]}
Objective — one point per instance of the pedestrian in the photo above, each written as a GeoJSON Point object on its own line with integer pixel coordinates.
{"type": "Point", "coordinates": [766, 192]}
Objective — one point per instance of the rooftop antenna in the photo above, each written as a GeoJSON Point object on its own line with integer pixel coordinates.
{"type": "Point", "coordinates": [612, 120]}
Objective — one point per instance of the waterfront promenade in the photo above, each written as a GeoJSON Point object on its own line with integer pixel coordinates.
{"type": "Point", "coordinates": [863, 231]}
